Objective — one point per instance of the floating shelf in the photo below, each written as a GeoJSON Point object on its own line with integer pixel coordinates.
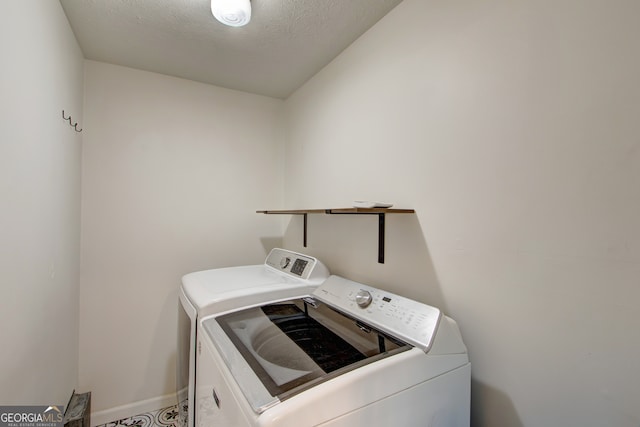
{"type": "Point", "coordinates": [380, 212]}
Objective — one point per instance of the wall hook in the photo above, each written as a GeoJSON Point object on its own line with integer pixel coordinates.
{"type": "Point", "coordinates": [73, 125]}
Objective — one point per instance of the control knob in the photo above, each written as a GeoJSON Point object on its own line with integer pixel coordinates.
{"type": "Point", "coordinates": [363, 298]}
{"type": "Point", "coordinates": [284, 262]}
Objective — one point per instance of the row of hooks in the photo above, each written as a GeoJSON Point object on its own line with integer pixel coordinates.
{"type": "Point", "coordinates": [73, 125]}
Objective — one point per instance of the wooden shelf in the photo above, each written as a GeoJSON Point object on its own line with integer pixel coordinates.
{"type": "Point", "coordinates": [355, 211]}
{"type": "Point", "coordinates": [380, 212]}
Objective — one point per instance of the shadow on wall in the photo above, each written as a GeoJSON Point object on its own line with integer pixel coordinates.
{"type": "Point", "coordinates": [167, 329]}
{"type": "Point", "coordinates": [348, 245]}
{"type": "Point", "coordinates": [269, 243]}
{"type": "Point", "coordinates": [491, 407]}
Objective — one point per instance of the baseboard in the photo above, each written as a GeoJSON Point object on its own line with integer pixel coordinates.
{"type": "Point", "coordinates": [132, 409]}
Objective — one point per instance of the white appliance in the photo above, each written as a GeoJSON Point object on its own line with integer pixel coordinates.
{"type": "Point", "coordinates": [284, 274]}
{"type": "Point", "coordinates": [343, 355]}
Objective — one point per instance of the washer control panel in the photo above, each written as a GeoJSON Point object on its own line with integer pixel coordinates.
{"type": "Point", "coordinates": [406, 319]}
{"type": "Point", "coordinates": [293, 263]}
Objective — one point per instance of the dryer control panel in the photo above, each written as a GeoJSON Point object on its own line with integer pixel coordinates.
{"type": "Point", "coordinates": [297, 265]}
{"type": "Point", "coordinates": [406, 319]}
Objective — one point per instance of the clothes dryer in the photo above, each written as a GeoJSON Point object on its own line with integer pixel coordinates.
{"type": "Point", "coordinates": [284, 274]}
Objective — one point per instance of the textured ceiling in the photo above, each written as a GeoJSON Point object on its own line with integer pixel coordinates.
{"type": "Point", "coordinates": [286, 42]}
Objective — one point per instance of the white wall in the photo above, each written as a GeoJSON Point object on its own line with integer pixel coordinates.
{"type": "Point", "coordinates": [512, 129]}
{"type": "Point", "coordinates": [173, 172]}
{"type": "Point", "coordinates": [41, 74]}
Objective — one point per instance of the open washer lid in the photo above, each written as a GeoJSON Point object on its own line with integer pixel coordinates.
{"type": "Point", "coordinates": [280, 349]}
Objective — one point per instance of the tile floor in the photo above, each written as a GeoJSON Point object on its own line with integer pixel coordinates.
{"type": "Point", "coordinates": [166, 417]}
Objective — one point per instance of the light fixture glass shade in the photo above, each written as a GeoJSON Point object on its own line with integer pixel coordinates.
{"type": "Point", "coordinates": [234, 13]}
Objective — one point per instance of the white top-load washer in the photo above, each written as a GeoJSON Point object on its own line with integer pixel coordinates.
{"type": "Point", "coordinates": [284, 274]}
{"type": "Point", "coordinates": [344, 355]}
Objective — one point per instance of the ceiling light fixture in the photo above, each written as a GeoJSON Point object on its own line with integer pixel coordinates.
{"type": "Point", "coordinates": [234, 13]}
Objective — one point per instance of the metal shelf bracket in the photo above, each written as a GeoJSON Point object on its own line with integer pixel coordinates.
{"type": "Point", "coordinates": [380, 212]}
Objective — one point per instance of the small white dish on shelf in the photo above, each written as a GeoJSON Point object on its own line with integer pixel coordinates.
{"type": "Point", "coordinates": [370, 204]}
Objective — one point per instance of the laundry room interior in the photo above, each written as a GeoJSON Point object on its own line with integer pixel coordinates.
{"type": "Point", "coordinates": [510, 129]}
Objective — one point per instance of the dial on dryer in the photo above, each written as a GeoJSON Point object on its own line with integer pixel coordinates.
{"type": "Point", "coordinates": [284, 262]}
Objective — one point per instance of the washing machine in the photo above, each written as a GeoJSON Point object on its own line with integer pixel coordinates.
{"type": "Point", "coordinates": [284, 274]}
{"type": "Point", "coordinates": [343, 355]}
